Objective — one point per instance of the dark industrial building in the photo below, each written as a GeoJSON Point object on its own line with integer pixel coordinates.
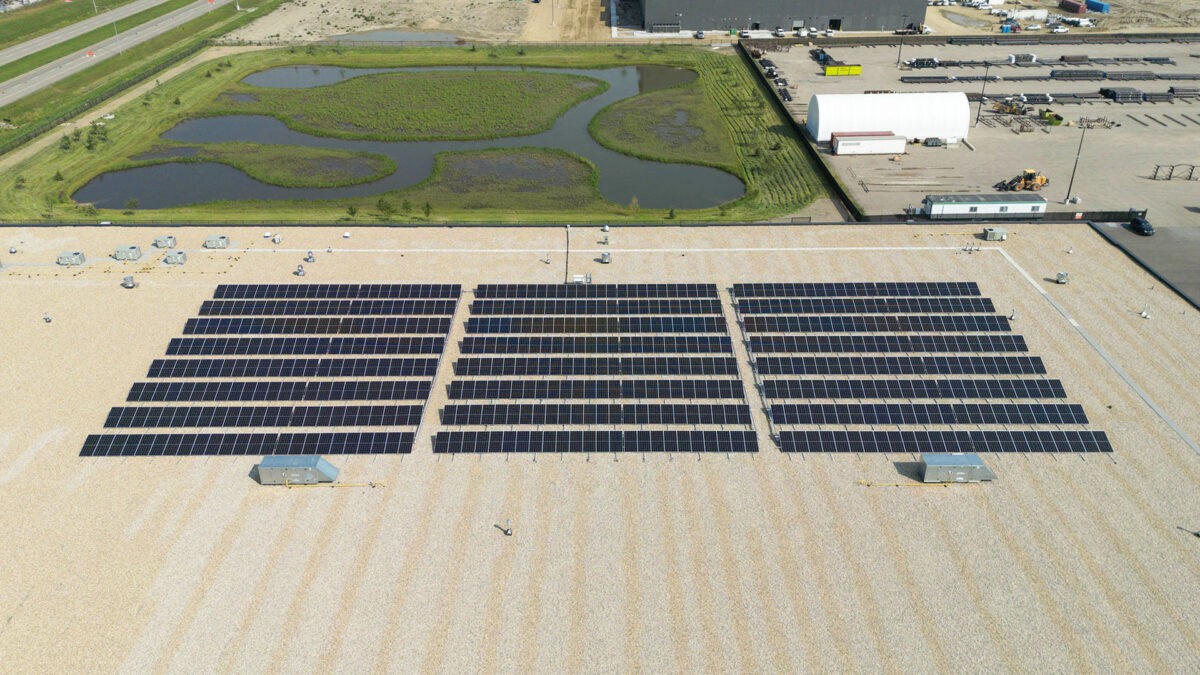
{"type": "Point", "coordinates": [669, 16]}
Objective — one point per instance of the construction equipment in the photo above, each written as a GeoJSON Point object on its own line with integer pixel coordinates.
{"type": "Point", "coordinates": [1052, 118]}
{"type": "Point", "coordinates": [1010, 106]}
{"type": "Point", "coordinates": [1029, 179]}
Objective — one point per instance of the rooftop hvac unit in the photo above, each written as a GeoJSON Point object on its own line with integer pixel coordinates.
{"type": "Point", "coordinates": [128, 282]}
{"type": "Point", "coordinates": [995, 234]}
{"type": "Point", "coordinates": [175, 258]}
{"type": "Point", "coordinates": [71, 258]}
{"type": "Point", "coordinates": [127, 253]}
{"type": "Point", "coordinates": [605, 258]}
{"type": "Point", "coordinates": [954, 467]}
{"type": "Point", "coordinates": [217, 241]}
{"type": "Point", "coordinates": [164, 241]}
{"type": "Point", "coordinates": [1062, 278]}
{"type": "Point", "coordinates": [295, 470]}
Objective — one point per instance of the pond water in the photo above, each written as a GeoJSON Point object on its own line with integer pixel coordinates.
{"type": "Point", "coordinates": [621, 177]}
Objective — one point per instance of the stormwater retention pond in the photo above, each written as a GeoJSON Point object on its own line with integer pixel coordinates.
{"type": "Point", "coordinates": [621, 177]}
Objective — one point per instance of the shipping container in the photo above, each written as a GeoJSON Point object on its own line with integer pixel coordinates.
{"type": "Point", "coordinates": [843, 69]}
{"type": "Point", "coordinates": [984, 206]}
{"type": "Point", "coordinates": [1072, 6]}
{"type": "Point", "coordinates": [1098, 6]}
{"type": "Point", "coordinates": [888, 144]}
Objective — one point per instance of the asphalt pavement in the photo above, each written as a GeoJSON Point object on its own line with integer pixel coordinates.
{"type": "Point", "coordinates": [37, 44]}
{"type": "Point", "coordinates": [24, 85]}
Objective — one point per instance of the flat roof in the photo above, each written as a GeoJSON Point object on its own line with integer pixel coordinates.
{"type": "Point", "coordinates": [165, 563]}
{"type": "Point", "coordinates": [996, 198]}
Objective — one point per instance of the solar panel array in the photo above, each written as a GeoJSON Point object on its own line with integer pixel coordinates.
{"type": "Point", "coordinates": [854, 367]}
{"type": "Point", "coordinates": [360, 357]}
{"type": "Point", "coordinates": [651, 365]}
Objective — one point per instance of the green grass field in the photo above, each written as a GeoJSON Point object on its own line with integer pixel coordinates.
{"type": "Point", "coordinates": [287, 166]}
{"type": "Point", "coordinates": [44, 17]}
{"type": "Point", "coordinates": [422, 106]}
{"type": "Point", "coordinates": [739, 130]}
{"type": "Point", "coordinates": [670, 125]}
{"type": "Point", "coordinates": [82, 42]}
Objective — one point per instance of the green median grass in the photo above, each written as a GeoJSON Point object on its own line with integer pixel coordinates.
{"type": "Point", "coordinates": [46, 17]}
{"type": "Point", "coordinates": [726, 123]}
{"type": "Point", "coordinates": [421, 106]}
{"type": "Point", "coordinates": [78, 45]}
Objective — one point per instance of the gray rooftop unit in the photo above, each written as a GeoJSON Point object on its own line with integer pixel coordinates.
{"type": "Point", "coordinates": [164, 241]}
{"type": "Point", "coordinates": [295, 470]}
{"type": "Point", "coordinates": [954, 467]}
{"type": "Point", "coordinates": [71, 258]}
{"type": "Point", "coordinates": [175, 258]}
{"type": "Point", "coordinates": [995, 234]}
{"type": "Point", "coordinates": [217, 241]}
{"type": "Point", "coordinates": [127, 253]}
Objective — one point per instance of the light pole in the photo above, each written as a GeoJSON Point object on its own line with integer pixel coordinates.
{"type": "Point", "coordinates": [982, 99]}
{"type": "Point", "coordinates": [1078, 151]}
{"type": "Point", "coordinates": [903, 26]}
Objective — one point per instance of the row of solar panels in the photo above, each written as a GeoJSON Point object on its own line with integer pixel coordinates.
{"type": "Point", "coordinates": [547, 291]}
{"type": "Point", "coordinates": [265, 416]}
{"type": "Point", "coordinates": [935, 305]}
{"type": "Point", "coordinates": [328, 307]}
{"type": "Point", "coordinates": [318, 367]}
{"type": "Point", "coordinates": [928, 413]}
{"type": "Point", "coordinates": [899, 365]}
{"type": "Point", "coordinates": [319, 325]}
{"type": "Point", "coordinates": [855, 289]}
{"type": "Point", "coordinates": [319, 390]}
{"type": "Point", "coordinates": [594, 441]}
{"type": "Point", "coordinates": [315, 346]}
{"type": "Point", "coordinates": [944, 441]}
{"type": "Point", "coordinates": [337, 291]}
{"type": "Point", "coordinates": [602, 413]}
{"type": "Point", "coordinates": [315, 443]}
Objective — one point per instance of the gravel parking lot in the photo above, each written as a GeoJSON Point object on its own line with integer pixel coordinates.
{"type": "Point", "coordinates": [1115, 165]}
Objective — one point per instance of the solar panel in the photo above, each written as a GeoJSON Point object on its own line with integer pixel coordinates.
{"type": "Point", "coordinates": [315, 346]}
{"type": "Point", "coordinates": [889, 305]}
{"type": "Point", "coordinates": [780, 323]}
{"type": "Point", "coordinates": [327, 307]}
{"type": "Point", "coordinates": [602, 413]}
{"type": "Point", "coordinates": [595, 306]}
{"type": "Point", "coordinates": [340, 367]}
{"type": "Point", "coordinates": [152, 445]}
{"type": "Point", "coordinates": [491, 390]}
{"type": "Point", "coordinates": [594, 441]}
{"type": "Point", "coordinates": [317, 325]}
{"type": "Point", "coordinates": [928, 413]}
{"type": "Point", "coordinates": [431, 291]}
{"type": "Point", "coordinates": [536, 291]}
{"type": "Point", "coordinates": [899, 365]}
{"type": "Point", "coordinates": [327, 390]}
{"type": "Point", "coordinates": [944, 441]}
{"type": "Point", "coordinates": [887, 343]}
{"type": "Point", "coordinates": [910, 389]}
{"type": "Point", "coordinates": [264, 416]}
{"type": "Point", "coordinates": [621, 344]}
{"type": "Point", "coordinates": [631, 324]}
{"type": "Point", "coordinates": [576, 365]}
{"type": "Point", "coordinates": [855, 289]}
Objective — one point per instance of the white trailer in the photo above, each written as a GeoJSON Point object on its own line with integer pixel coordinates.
{"type": "Point", "coordinates": [889, 144]}
{"type": "Point", "coordinates": [1031, 14]}
{"type": "Point", "coordinates": [1008, 205]}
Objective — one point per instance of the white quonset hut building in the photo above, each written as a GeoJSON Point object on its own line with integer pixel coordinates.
{"type": "Point", "coordinates": [945, 115]}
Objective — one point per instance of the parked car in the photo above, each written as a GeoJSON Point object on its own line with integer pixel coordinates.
{"type": "Point", "coordinates": [1141, 226]}
{"type": "Point", "coordinates": [785, 94]}
{"type": "Point", "coordinates": [744, 34]}
{"type": "Point", "coordinates": [1059, 29]}
{"type": "Point", "coordinates": [1034, 26]}
{"type": "Point", "coordinates": [778, 32]}
{"type": "Point", "coordinates": [699, 35]}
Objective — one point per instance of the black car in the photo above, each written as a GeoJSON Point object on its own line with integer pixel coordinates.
{"type": "Point", "coordinates": [1141, 226]}
{"type": "Point", "coordinates": [785, 94]}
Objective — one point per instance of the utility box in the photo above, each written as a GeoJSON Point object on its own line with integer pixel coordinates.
{"type": "Point", "coordinates": [175, 258]}
{"type": "Point", "coordinates": [995, 234]}
{"type": "Point", "coordinates": [954, 467]}
{"type": "Point", "coordinates": [164, 241]}
{"type": "Point", "coordinates": [217, 241]}
{"type": "Point", "coordinates": [295, 470]}
{"type": "Point", "coordinates": [71, 258]}
{"type": "Point", "coordinates": [127, 253]}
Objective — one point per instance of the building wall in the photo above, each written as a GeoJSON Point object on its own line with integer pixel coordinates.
{"type": "Point", "coordinates": [787, 14]}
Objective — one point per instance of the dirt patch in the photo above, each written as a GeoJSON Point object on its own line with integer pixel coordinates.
{"type": "Point", "coordinates": [675, 130]}
{"type": "Point", "coordinates": [964, 20]}
{"type": "Point", "coordinates": [308, 20]}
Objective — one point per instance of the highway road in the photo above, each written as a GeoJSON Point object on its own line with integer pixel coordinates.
{"type": "Point", "coordinates": [106, 17]}
{"type": "Point", "coordinates": [24, 85]}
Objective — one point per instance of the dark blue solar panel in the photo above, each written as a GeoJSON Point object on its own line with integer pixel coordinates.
{"type": "Point", "coordinates": [327, 307]}
{"type": "Point", "coordinates": [535, 291]}
{"type": "Point", "coordinates": [155, 445]}
{"type": "Point", "coordinates": [900, 365]}
{"type": "Point", "coordinates": [781, 323]}
{"type": "Point", "coordinates": [131, 417]}
{"type": "Point", "coordinates": [855, 289]}
{"type": "Point", "coordinates": [961, 389]}
{"type": "Point", "coordinates": [928, 413]}
{"type": "Point", "coordinates": [631, 324]}
{"type": "Point", "coordinates": [318, 390]}
{"type": "Point", "coordinates": [594, 441]}
{"type": "Point", "coordinates": [914, 442]}
{"type": "Point", "coordinates": [887, 343]}
{"type": "Point", "coordinates": [314, 346]}
{"type": "Point", "coordinates": [318, 325]}
{"type": "Point", "coordinates": [579, 365]}
{"type": "Point", "coordinates": [337, 367]}
{"type": "Point", "coordinates": [430, 291]}
{"type": "Point", "coordinates": [620, 344]}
